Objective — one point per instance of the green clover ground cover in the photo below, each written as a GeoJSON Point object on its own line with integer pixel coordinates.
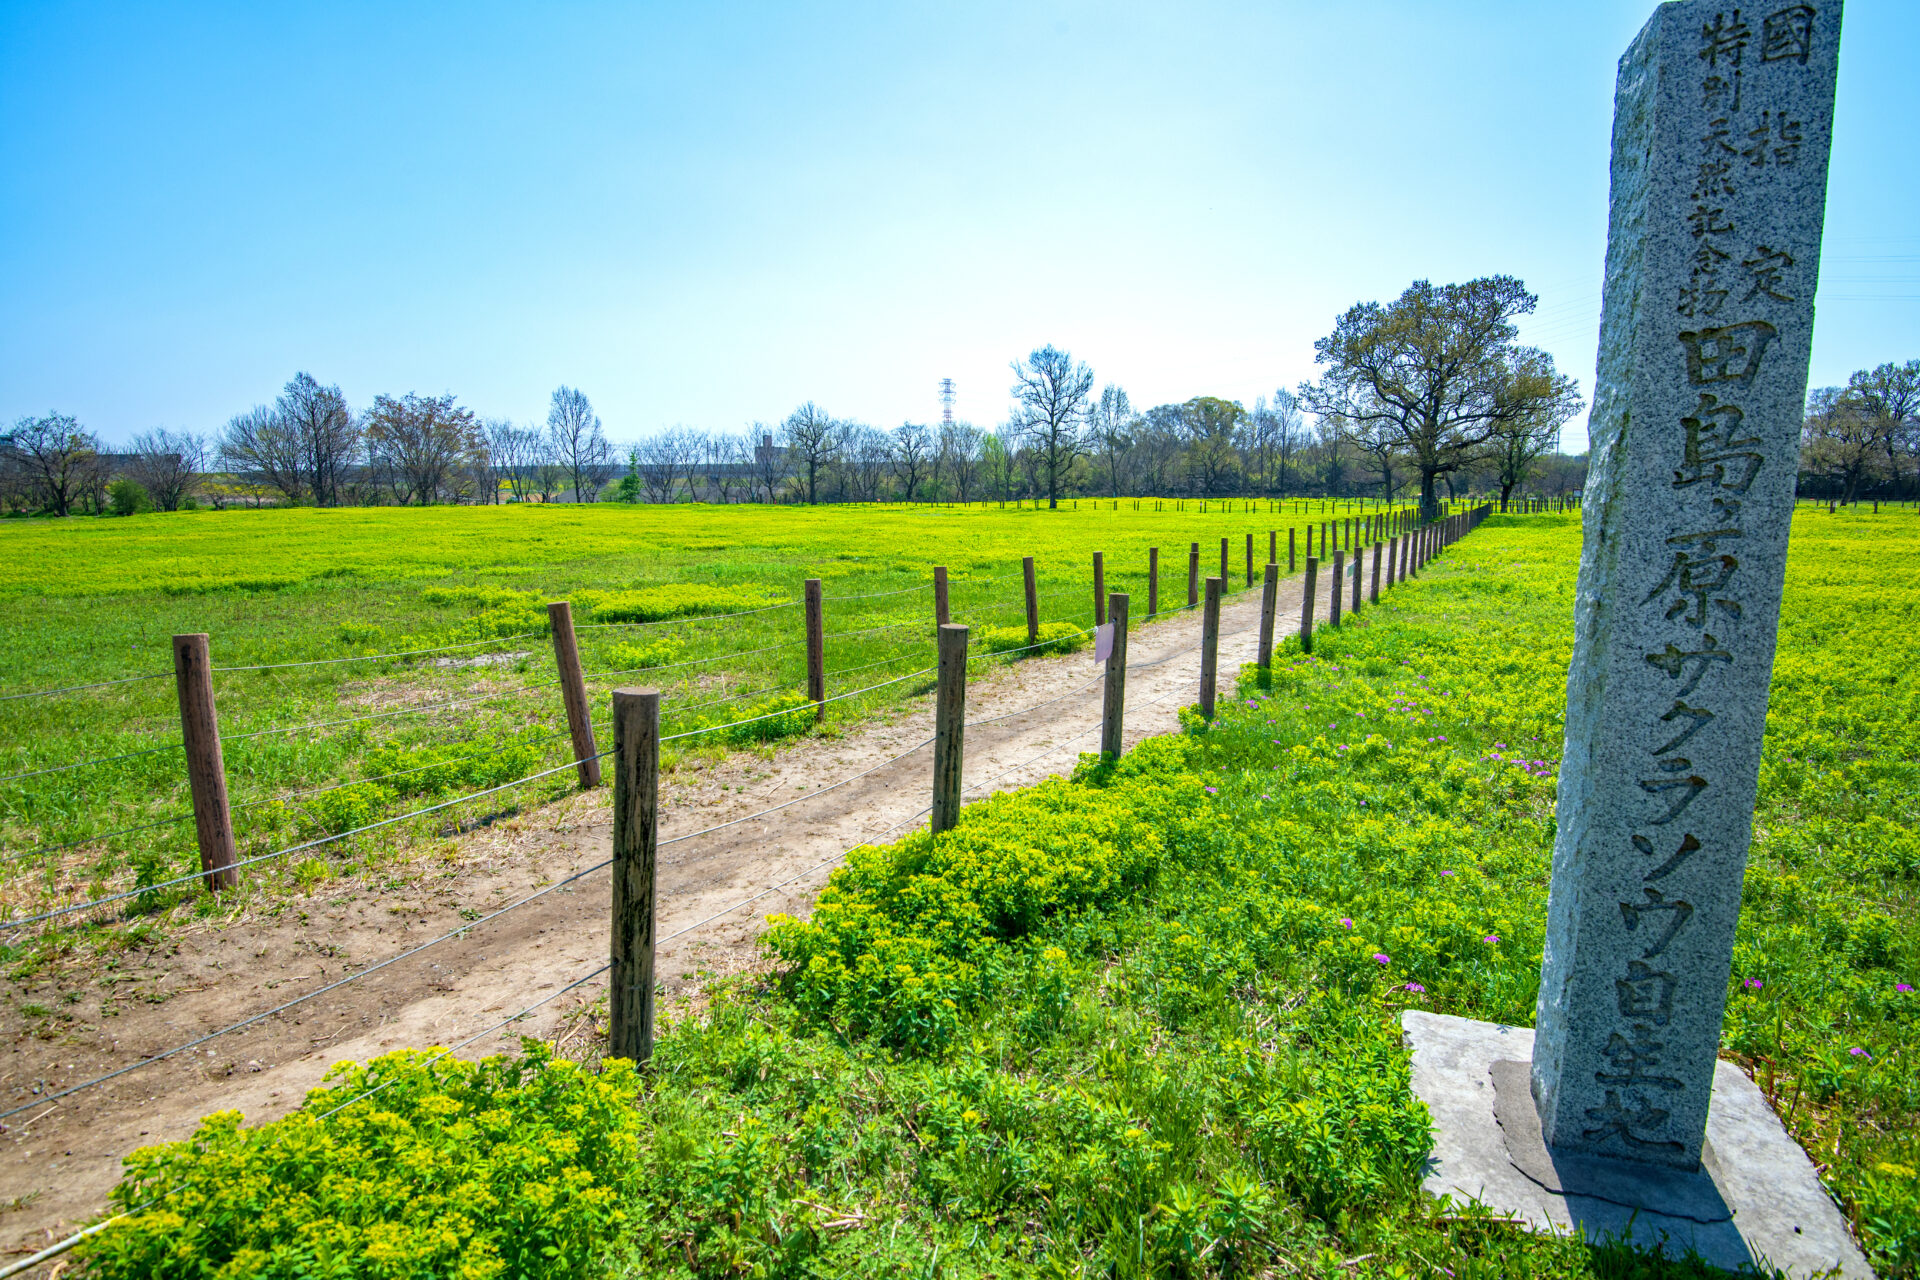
{"type": "Point", "coordinates": [1145, 1022]}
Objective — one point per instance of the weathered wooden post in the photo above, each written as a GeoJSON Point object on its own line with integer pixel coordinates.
{"type": "Point", "coordinates": [206, 767]}
{"type": "Point", "coordinates": [940, 615]}
{"type": "Point", "coordinates": [1292, 563]}
{"type": "Point", "coordinates": [1269, 602]}
{"type": "Point", "coordinates": [1393, 552]}
{"type": "Point", "coordinates": [573, 692]}
{"type": "Point", "coordinates": [636, 840]}
{"type": "Point", "coordinates": [1373, 590]}
{"type": "Point", "coordinates": [1153, 582]}
{"type": "Point", "coordinates": [1357, 562]}
{"type": "Point", "coordinates": [1099, 589]}
{"type": "Point", "coordinates": [1336, 582]}
{"type": "Point", "coordinates": [1249, 559]}
{"type": "Point", "coordinates": [949, 727]}
{"type": "Point", "coordinates": [1193, 574]}
{"type": "Point", "coordinates": [1210, 645]}
{"type": "Point", "coordinates": [1225, 574]}
{"type": "Point", "coordinates": [1033, 602]}
{"type": "Point", "coordinates": [1306, 605]}
{"type": "Point", "coordinates": [1114, 706]}
{"type": "Point", "coordinates": [816, 650]}
{"type": "Point", "coordinates": [1273, 545]}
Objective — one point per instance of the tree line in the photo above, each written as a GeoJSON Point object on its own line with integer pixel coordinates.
{"type": "Point", "coordinates": [1430, 395]}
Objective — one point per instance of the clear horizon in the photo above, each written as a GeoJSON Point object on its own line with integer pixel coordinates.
{"type": "Point", "coordinates": [708, 218]}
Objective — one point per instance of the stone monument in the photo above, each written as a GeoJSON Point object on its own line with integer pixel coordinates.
{"type": "Point", "coordinates": [1722, 124]}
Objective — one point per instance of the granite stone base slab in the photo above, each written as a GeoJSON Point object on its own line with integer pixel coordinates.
{"type": "Point", "coordinates": [1757, 1202]}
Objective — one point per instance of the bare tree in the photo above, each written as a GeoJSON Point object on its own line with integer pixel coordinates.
{"type": "Point", "coordinates": [812, 439]}
{"type": "Point", "coordinates": [1051, 392]}
{"type": "Point", "coordinates": [56, 456]}
{"type": "Point", "coordinates": [510, 452]}
{"type": "Point", "coordinates": [769, 462]}
{"type": "Point", "coordinates": [1439, 366]}
{"type": "Point", "coordinates": [665, 459]}
{"type": "Point", "coordinates": [324, 434]}
{"type": "Point", "coordinates": [729, 464]}
{"type": "Point", "coordinates": [579, 445]}
{"type": "Point", "coordinates": [1113, 424]}
{"type": "Point", "coordinates": [867, 455]}
{"type": "Point", "coordinates": [423, 442]}
{"type": "Point", "coordinates": [960, 446]}
{"type": "Point", "coordinates": [167, 464]}
{"type": "Point", "coordinates": [259, 443]}
{"type": "Point", "coordinates": [912, 457]}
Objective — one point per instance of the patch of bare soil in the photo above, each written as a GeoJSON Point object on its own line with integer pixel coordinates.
{"type": "Point", "coordinates": [1025, 721]}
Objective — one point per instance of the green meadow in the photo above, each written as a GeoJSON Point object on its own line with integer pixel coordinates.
{"type": "Point", "coordinates": [700, 601]}
{"type": "Point", "coordinates": [1145, 1022]}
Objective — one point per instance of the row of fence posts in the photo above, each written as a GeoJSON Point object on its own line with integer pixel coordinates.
{"type": "Point", "coordinates": [636, 718]}
{"type": "Point", "coordinates": [206, 772]}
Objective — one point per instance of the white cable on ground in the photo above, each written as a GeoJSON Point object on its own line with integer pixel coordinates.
{"type": "Point", "coordinates": [691, 662]}
{"type": "Point", "coordinates": [691, 617]}
{"type": "Point", "coordinates": [302, 999]}
{"type": "Point", "coordinates": [281, 853]}
{"type": "Point", "coordinates": [81, 764]}
{"type": "Point", "coordinates": [376, 657]}
{"type": "Point", "coordinates": [851, 693]}
{"type": "Point", "coordinates": [97, 684]}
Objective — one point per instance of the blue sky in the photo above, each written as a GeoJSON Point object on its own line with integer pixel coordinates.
{"type": "Point", "coordinates": [707, 214]}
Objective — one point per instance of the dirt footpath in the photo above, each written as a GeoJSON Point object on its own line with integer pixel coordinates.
{"type": "Point", "coordinates": [1025, 721]}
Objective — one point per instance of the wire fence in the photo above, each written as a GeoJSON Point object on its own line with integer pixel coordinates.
{"type": "Point", "coordinates": [467, 927]}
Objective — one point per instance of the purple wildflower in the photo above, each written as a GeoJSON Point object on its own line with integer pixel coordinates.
{"type": "Point", "coordinates": [1381, 957]}
{"type": "Point", "coordinates": [1858, 1052]}
{"type": "Point", "coordinates": [1213, 791]}
{"type": "Point", "coordinates": [1492, 937]}
{"type": "Point", "coordinates": [1347, 921]}
{"type": "Point", "coordinates": [1415, 987]}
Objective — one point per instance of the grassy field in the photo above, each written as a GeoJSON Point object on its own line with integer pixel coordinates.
{"type": "Point", "coordinates": [1145, 1023]}
{"type": "Point", "coordinates": [700, 601]}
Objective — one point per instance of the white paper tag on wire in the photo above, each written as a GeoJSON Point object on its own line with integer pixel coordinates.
{"type": "Point", "coordinates": [1102, 642]}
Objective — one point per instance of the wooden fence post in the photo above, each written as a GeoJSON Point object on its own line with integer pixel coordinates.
{"type": "Point", "coordinates": [949, 727]}
{"type": "Point", "coordinates": [1337, 581]}
{"type": "Point", "coordinates": [1193, 574]}
{"type": "Point", "coordinates": [1210, 645]}
{"type": "Point", "coordinates": [1033, 602]}
{"type": "Point", "coordinates": [1306, 605]}
{"type": "Point", "coordinates": [1249, 559]}
{"type": "Point", "coordinates": [206, 767]}
{"type": "Point", "coordinates": [1114, 708]}
{"type": "Point", "coordinates": [1373, 592]}
{"type": "Point", "coordinates": [1273, 545]}
{"type": "Point", "coordinates": [1357, 562]}
{"type": "Point", "coordinates": [940, 615]}
{"type": "Point", "coordinates": [1153, 581]}
{"type": "Point", "coordinates": [573, 693]}
{"type": "Point", "coordinates": [1292, 562]}
{"type": "Point", "coordinates": [1226, 575]}
{"type": "Point", "coordinates": [636, 842]}
{"type": "Point", "coordinates": [1099, 590]}
{"type": "Point", "coordinates": [1269, 601]}
{"type": "Point", "coordinates": [816, 651]}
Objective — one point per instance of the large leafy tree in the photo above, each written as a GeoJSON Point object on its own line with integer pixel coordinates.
{"type": "Point", "coordinates": [1053, 398]}
{"type": "Point", "coordinates": [1439, 368]}
{"type": "Point", "coordinates": [1889, 394]}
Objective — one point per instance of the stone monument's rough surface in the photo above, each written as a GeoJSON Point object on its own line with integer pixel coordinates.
{"type": "Point", "coordinates": [1722, 118]}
